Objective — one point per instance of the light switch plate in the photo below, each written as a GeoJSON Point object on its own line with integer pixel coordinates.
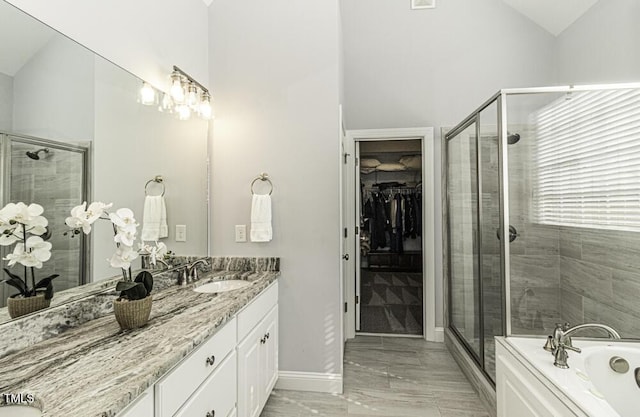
{"type": "Point", "coordinates": [181, 232]}
{"type": "Point", "coordinates": [241, 232]}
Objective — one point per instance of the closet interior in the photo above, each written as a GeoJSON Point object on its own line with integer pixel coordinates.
{"type": "Point", "coordinates": [389, 274]}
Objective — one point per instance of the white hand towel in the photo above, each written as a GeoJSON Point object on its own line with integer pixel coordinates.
{"type": "Point", "coordinates": [261, 230]}
{"type": "Point", "coordinates": [154, 218]}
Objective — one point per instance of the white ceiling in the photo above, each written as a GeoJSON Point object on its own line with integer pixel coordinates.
{"type": "Point", "coordinates": [21, 37]}
{"type": "Point", "coordinates": [553, 15]}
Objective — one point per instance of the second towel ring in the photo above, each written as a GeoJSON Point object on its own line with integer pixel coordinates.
{"type": "Point", "coordinates": [159, 180]}
{"type": "Point", "coordinates": [262, 177]}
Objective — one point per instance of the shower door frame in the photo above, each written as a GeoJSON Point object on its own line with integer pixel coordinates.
{"type": "Point", "coordinates": [474, 118]}
{"type": "Point", "coordinates": [5, 185]}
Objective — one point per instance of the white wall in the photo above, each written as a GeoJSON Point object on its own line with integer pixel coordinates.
{"type": "Point", "coordinates": [145, 37]}
{"type": "Point", "coordinates": [432, 67]}
{"type": "Point", "coordinates": [274, 67]}
{"type": "Point", "coordinates": [601, 46]}
{"type": "Point", "coordinates": [53, 93]}
{"type": "Point", "coordinates": [6, 102]}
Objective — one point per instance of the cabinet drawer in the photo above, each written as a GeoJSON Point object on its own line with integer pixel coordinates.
{"type": "Point", "coordinates": [252, 314]}
{"type": "Point", "coordinates": [182, 381]}
{"type": "Point", "coordinates": [217, 396]}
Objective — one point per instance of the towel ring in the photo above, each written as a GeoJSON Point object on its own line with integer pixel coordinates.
{"type": "Point", "coordinates": [262, 177]}
{"type": "Point", "coordinates": [157, 179]}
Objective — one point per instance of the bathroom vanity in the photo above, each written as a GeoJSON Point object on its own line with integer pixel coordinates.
{"type": "Point", "coordinates": [201, 354]}
{"type": "Point", "coordinates": [237, 365]}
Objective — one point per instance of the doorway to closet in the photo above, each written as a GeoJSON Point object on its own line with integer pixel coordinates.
{"type": "Point", "coordinates": [390, 279]}
{"type": "Point", "coordinates": [389, 268]}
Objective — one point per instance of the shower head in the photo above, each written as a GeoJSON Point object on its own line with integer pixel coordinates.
{"type": "Point", "coordinates": [34, 155]}
{"type": "Point", "coordinates": [512, 138]}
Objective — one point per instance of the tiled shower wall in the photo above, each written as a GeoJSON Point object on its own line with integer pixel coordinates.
{"type": "Point", "coordinates": [567, 274]}
{"type": "Point", "coordinates": [535, 254]}
{"type": "Point", "coordinates": [600, 278]}
{"type": "Point", "coordinates": [54, 182]}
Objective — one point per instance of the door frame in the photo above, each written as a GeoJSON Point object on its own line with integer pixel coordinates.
{"type": "Point", "coordinates": [426, 135]}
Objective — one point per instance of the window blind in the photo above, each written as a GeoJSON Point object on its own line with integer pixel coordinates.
{"type": "Point", "coordinates": [587, 170]}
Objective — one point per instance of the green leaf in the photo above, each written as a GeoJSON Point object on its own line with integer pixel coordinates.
{"type": "Point", "coordinates": [16, 282]}
{"type": "Point", "coordinates": [48, 292]}
{"type": "Point", "coordinates": [45, 282]}
{"type": "Point", "coordinates": [146, 279]}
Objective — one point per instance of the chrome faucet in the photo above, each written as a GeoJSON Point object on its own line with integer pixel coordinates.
{"type": "Point", "coordinates": [192, 271]}
{"type": "Point", "coordinates": [560, 342]}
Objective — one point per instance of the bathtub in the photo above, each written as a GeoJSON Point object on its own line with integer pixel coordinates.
{"type": "Point", "coordinates": [589, 387]}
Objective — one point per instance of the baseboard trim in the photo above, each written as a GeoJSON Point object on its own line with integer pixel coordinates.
{"type": "Point", "coordinates": [439, 334]}
{"type": "Point", "coordinates": [309, 381]}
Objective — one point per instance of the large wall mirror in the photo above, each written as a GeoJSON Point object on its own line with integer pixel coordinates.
{"type": "Point", "coordinates": [71, 130]}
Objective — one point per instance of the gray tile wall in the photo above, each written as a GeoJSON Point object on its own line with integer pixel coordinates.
{"type": "Point", "coordinates": [600, 278]}
{"type": "Point", "coordinates": [54, 182]}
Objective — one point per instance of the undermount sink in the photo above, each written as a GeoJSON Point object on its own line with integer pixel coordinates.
{"type": "Point", "coordinates": [221, 286]}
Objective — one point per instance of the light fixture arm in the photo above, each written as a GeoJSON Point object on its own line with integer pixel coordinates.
{"type": "Point", "coordinates": [190, 78]}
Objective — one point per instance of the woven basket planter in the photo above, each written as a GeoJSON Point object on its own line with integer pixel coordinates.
{"type": "Point", "coordinates": [20, 306]}
{"type": "Point", "coordinates": [132, 314]}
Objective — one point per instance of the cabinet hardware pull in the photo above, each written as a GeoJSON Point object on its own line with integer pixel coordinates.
{"type": "Point", "coordinates": [267, 335]}
{"type": "Point", "coordinates": [211, 413]}
{"type": "Point", "coordinates": [263, 341]}
{"type": "Point", "coordinates": [211, 359]}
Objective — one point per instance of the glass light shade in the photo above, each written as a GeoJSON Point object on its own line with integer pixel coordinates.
{"type": "Point", "coordinates": [166, 104]}
{"type": "Point", "coordinates": [184, 112]}
{"type": "Point", "coordinates": [192, 96]}
{"type": "Point", "coordinates": [177, 90]}
{"type": "Point", "coordinates": [206, 112]}
{"type": "Point", "coordinates": [147, 94]}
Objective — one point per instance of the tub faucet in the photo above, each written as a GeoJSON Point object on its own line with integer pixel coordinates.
{"type": "Point", "coordinates": [560, 342]}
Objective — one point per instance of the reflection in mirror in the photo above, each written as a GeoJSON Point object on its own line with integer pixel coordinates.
{"type": "Point", "coordinates": [72, 129]}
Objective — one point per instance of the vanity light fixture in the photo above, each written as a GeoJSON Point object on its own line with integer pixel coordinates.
{"type": "Point", "coordinates": [147, 94]}
{"type": "Point", "coordinates": [185, 97]}
{"type": "Point", "coordinates": [188, 96]}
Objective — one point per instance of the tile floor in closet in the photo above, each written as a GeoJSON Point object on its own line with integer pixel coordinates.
{"type": "Point", "coordinates": [391, 377]}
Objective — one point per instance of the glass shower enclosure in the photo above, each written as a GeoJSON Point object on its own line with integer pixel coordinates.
{"type": "Point", "coordinates": [54, 175]}
{"type": "Point", "coordinates": [542, 215]}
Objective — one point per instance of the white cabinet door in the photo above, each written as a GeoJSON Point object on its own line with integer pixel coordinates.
{"type": "Point", "coordinates": [141, 406]}
{"type": "Point", "coordinates": [217, 395]}
{"type": "Point", "coordinates": [269, 356]}
{"type": "Point", "coordinates": [249, 374]}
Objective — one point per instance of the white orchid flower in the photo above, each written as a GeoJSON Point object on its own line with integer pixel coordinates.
{"type": "Point", "coordinates": [16, 216]}
{"type": "Point", "coordinates": [37, 252]}
{"type": "Point", "coordinates": [81, 217]}
{"type": "Point", "coordinates": [123, 257]}
{"type": "Point", "coordinates": [125, 237]}
{"type": "Point", "coordinates": [124, 220]}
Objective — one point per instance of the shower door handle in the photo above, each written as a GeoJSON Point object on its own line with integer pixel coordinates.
{"type": "Point", "coordinates": [513, 233]}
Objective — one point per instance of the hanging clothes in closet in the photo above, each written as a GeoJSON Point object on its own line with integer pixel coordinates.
{"type": "Point", "coordinates": [390, 217]}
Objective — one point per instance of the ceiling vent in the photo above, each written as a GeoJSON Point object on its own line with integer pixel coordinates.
{"type": "Point", "coordinates": [423, 4]}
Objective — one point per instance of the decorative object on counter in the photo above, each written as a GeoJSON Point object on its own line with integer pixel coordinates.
{"type": "Point", "coordinates": [261, 229]}
{"type": "Point", "coordinates": [133, 307]}
{"type": "Point", "coordinates": [150, 255]}
{"type": "Point", "coordinates": [154, 214]}
{"type": "Point", "coordinates": [17, 222]}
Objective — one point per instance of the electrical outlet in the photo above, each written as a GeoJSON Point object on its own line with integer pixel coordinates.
{"type": "Point", "coordinates": [181, 232]}
{"type": "Point", "coordinates": [241, 232]}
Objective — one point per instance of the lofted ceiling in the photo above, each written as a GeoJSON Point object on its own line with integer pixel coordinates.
{"type": "Point", "coordinates": [553, 15]}
{"type": "Point", "coordinates": [21, 37]}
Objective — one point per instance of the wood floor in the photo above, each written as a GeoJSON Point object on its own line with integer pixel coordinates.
{"type": "Point", "coordinates": [391, 377]}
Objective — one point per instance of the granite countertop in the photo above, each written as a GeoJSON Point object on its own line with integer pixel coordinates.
{"type": "Point", "coordinates": [96, 369]}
